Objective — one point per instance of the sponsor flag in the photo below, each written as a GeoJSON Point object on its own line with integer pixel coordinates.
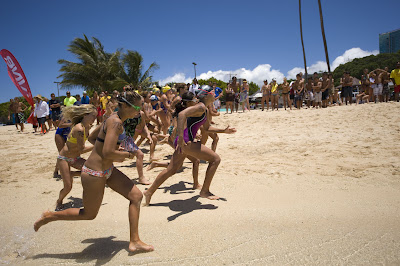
{"type": "Point", "coordinates": [18, 78]}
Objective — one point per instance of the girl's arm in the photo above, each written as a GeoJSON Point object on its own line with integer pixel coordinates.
{"type": "Point", "coordinates": [208, 128]}
{"type": "Point", "coordinates": [114, 129]}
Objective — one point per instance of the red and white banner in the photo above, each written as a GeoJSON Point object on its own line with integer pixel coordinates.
{"type": "Point", "coordinates": [18, 77]}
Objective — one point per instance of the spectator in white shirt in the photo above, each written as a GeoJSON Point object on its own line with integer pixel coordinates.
{"type": "Point", "coordinates": [194, 87]}
{"type": "Point", "coordinates": [41, 112]}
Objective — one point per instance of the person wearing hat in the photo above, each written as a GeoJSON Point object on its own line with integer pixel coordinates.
{"type": "Point", "coordinates": [185, 145]}
{"type": "Point", "coordinates": [41, 112]}
{"type": "Point", "coordinates": [165, 101]}
{"type": "Point", "coordinates": [85, 98]}
{"type": "Point", "coordinates": [69, 100]}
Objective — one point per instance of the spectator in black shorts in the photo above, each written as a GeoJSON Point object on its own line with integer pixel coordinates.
{"type": "Point", "coordinates": [41, 112]}
{"type": "Point", "coordinates": [55, 107]}
{"type": "Point", "coordinates": [347, 87]}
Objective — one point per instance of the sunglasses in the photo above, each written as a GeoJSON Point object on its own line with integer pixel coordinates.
{"type": "Point", "coordinates": [137, 108]}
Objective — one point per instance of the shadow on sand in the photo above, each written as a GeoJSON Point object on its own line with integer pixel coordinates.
{"type": "Point", "coordinates": [185, 206]}
{"type": "Point", "coordinates": [100, 251]}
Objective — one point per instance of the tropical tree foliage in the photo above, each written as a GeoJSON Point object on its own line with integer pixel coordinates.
{"type": "Point", "coordinates": [132, 71]}
{"type": "Point", "coordinates": [356, 66]}
{"type": "Point", "coordinates": [97, 69]}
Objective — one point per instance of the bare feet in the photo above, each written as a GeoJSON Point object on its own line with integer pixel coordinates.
{"type": "Point", "coordinates": [151, 166]}
{"type": "Point", "coordinates": [208, 195]}
{"type": "Point", "coordinates": [154, 159]}
{"type": "Point", "coordinates": [44, 219]}
{"type": "Point", "coordinates": [164, 140]}
{"type": "Point", "coordinates": [197, 186]}
{"type": "Point", "coordinates": [147, 198]}
{"type": "Point", "coordinates": [59, 205]}
{"type": "Point", "coordinates": [144, 181]}
{"type": "Point", "coordinates": [140, 246]}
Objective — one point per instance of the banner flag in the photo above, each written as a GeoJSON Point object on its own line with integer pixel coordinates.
{"type": "Point", "coordinates": [18, 78]}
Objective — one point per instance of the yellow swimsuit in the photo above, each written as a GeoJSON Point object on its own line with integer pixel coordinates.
{"type": "Point", "coordinates": [74, 140]}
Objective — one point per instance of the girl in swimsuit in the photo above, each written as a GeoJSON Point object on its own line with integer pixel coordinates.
{"type": "Point", "coordinates": [81, 118]}
{"type": "Point", "coordinates": [285, 93]}
{"type": "Point", "coordinates": [194, 116]}
{"type": "Point", "coordinates": [62, 132]}
{"type": "Point", "coordinates": [230, 98]}
{"type": "Point", "coordinates": [98, 172]}
{"type": "Point", "coordinates": [187, 100]}
{"type": "Point", "coordinates": [244, 96]}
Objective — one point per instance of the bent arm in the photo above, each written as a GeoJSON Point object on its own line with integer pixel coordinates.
{"type": "Point", "coordinates": [114, 128]}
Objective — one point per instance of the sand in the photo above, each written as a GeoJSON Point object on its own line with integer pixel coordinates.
{"type": "Point", "coordinates": [298, 187]}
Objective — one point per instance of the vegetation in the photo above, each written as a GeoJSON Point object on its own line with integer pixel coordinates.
{"type": "Point", "coordinates": [97, 69]}
{"type": "Point", "coordinates": [371, 62]}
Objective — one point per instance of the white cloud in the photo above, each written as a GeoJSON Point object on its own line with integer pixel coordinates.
{"type": "Point", "coordinates": [348, 56]}
{"type": "Point", "coordinates": [265, 71]}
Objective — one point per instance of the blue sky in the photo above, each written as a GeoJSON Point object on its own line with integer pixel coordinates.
{"type": "Point", "coordinates": [253, 39]}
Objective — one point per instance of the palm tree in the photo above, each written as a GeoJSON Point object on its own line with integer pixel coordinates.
{"type": "Point", "coordinates": [131, 71]}
{"type": "Point", "coordinates": [323, 35]}
{"type": "Point", "coordinates": [95, 69]}
{"type": "Point", "coordinates": [302, 43]}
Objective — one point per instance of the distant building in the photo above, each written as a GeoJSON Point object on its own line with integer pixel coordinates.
{"type": "Point", "coordinates": [389, 42]}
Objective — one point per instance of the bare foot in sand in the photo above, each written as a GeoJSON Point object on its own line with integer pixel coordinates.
{"type": "Point", "coordinates": [144, 181]}
{"type": "Point", "coordinates": [208, 195]}
{"type": "Point", "coordinates": [140, 246]}
{"type": "Point", "coordinates": [44, 219]}
{"type": "Point", "coordinates": [197, 186]}
{"type": "Point", "coordinates": [154, 159]}
{"type": "Point", "coordinates": [151, 166]}
{"type": "Point", "coordinates": [59, 205]}
{"type": "Point", "coordinates": [147, 198]}
{"type": "Point", "coordinates": [163, 141]}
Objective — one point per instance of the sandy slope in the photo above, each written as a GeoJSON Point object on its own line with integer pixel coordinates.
{"type": "Point", "coordinates": [299, 187]}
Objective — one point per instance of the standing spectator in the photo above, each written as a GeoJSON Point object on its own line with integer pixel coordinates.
{"type": "Point", "coordinates": [85, 98]}
{"type": "Point", "coordinates": [230, 97]}
{"type": "Point", "coordinates": [266, 91]}
{"type": "Point", "coordinates": [347, 87]}
{"type": "Point", "coordinates": [395, 77]}
{"type": "Point", "coordinates": [12, 112]}
{"type": "Point", "coordinates": [384, 76]}
{"type": "Point", "coordinates": [19, 115]}
{"type": "Point", "coordinates": [194, 87]}
{"type": "Point", "coordinates": [103, 102]}
{"type": "Point", "coordinates": [326, 87]}
{"type": "Point", "coordinates": [41, 112]}
{"type": "Point", "coordinates": [317, 86]}
{"type": "Point", "coordinates": [69, 100]}
{"type": "Point", "coordinates": [55, 108]}
{"type": "Point", "coordinates": [95, 100]}
{"type": "Point", "coordinates": [78, 100]}
{"type": "Point", "coordinates": [274, 94]}
{"type": "Point", "coordinates": [218, 94]}
{"type": "Point", "coordinates": [235, 85]}
{"type": "Point", "coordinates": [298, 87]}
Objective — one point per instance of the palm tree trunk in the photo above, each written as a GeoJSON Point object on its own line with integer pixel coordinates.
{"type": "Point", "coordinates": [302, 43]}
{"type": "Point", "coordinates": [323, 35]}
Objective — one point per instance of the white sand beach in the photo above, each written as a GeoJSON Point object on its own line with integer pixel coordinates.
{"type": "Point", "coordinates": [298, 187]}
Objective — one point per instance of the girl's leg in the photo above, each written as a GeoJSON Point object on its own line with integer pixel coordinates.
{"type": "Point", "coordinates": [60, 144]}
{"type": "Point", "coordinates": [93, 191]}
{"type": "Point", "coordinates": [67, 182]}
{"type": "Point", "coordinates": [195, 172]}
{"type": "Point", "coordinates": [215, 139]}
{"type": "Point", "coordinates": [139, 167]}
{"type": "Point", "coordinates": [120, 183]}
{"type": "Point", "coordinates": [201, 152]}
{"type": "Point", "coordinates": [176, 163]}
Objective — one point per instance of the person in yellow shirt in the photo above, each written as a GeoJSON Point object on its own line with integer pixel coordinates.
{"type": "Point", "coordinates": [69, 100]}
{"type": "Point", "coordinates": [103, 103]}
{"type": "Point", "coordinates": [395, 77]}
